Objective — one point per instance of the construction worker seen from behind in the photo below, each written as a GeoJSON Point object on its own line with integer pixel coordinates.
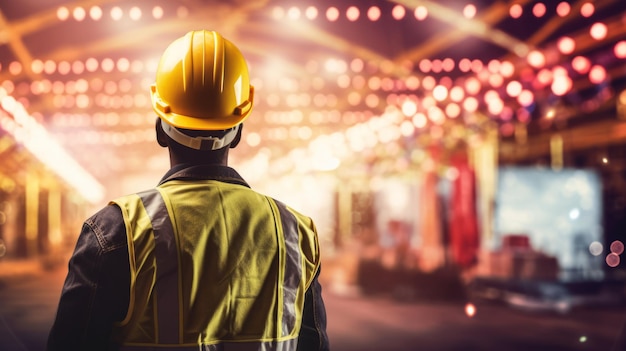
{"type": "Point", "coordinates": [201, 261]}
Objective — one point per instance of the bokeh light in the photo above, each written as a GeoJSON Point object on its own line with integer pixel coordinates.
{"type": "Point", "coordinates": [617, 247]}
{"type": "Point", "coordinates": [612, 260]}
{"type": "Point", "coordinates": [470, 310]}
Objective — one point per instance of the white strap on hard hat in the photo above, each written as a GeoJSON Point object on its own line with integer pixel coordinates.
{"type": "Point", "coordinates": [200, 142]}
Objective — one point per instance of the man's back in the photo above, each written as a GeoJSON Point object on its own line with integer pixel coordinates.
{"type": "Point", "coordinates": [242, 261]}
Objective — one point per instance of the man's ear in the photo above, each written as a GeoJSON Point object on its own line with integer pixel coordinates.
{"type": "Point", "coordinates": [237, 139]}
{"type": "Point", "coordinates": [162, 138]}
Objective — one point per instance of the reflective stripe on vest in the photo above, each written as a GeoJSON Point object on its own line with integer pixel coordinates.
{"type": "Point", "coordinates": [293, 268]}
{"type": "Point", "coordinates": [287, 345]}
{"type": "Point", "coordinates": [166, 255]}
{"type": "Point", "coordinates": [168, 304]}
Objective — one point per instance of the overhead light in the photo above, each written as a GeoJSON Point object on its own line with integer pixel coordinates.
{"type": "Point", "coordinates": [36, 139]}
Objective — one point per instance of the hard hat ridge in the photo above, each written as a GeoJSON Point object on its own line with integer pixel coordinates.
{"type": "Point", "coordinates": [202, 83]}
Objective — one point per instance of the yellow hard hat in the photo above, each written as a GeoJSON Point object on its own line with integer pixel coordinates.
{"type": "Point", "coordinates": [202, 83]}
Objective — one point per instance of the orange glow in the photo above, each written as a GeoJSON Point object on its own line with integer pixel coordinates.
{"type": "Point", "coordinates": [64, 67]}
{"type": "Point", "coordinates": [566, 45]}
{"type": "Point", "coordinates": [465, 65]}
{"type": "Point", "coordinates": [469, 11]}
{"type": "Point", "coordinates": [514, 88]}
{"type": "Point", "coordinates": [472, 86]}
{"type": "Point", "coordinates": [372, 100]}
{"type": "Point", "coordinates": [436, 115]}
{"type": "Point", "coordinates": [374, 83]}
{"type": "Point", "coordinates": [82, 101]}
{"type": "Point", "coordinates": [507, 69]}
{"type": "Point", "coordinates": [358, 82]}
{"type": "Point", "coordinates": [597, 74]}
{"type": "Point", "coordinates": [491, 95]}
{"type": "Point", "coordinates": [587, 9]}
{"type": "Point", "coordinates": [157, 12]}
{"type": "Point", "coordinates": [440, 93]}
{"type": "Point", "coordinates": [110, 87]}
{"type": "Point", "coordinates": [407, 128]}
{"type": "Point", "coordinates": [620, 49]}
{"type": "Point", "coordinates": [107, 65]}
{"type": "Point", "coordinates": [544, 76]}
{"type": "Point", "coordinates": [581, 64]}
{"type": "Point", "coordinates": [387, 84]}
{"type": "Point", "coordinates": [278, 12]}
{"type": "Point", "coordinates": [419, 120]}
{"type": "Point", "coordinates": [563, 9]}
{"type": "Point", "coordinates": [496, 80]}
{"type": "Point", "coordinates": [116, 13]}
{"type": "Point", "coordinates": [135, 13]}
{"type": "Point", "coordinates": [425, 65]}
{"type": "Point", "coordinates": [429, 82]}
{"type": "Point", "coordinates": [409, 108]}
{"type": "Point", "coordinates": [125, 85]}
{"type": "Point", "coordinates": [559, 71]}
{"type": "Point", "coordinates": [91, 64]}
{"type": "Point", "coordinates": [493, 66]}
{"type": "Point", "coordinates": [598, 31]}
{"type": "Point", "coordinates": [448, 64]}
{"type": "Point", "coordinates": [79, 13]}
{"type": "Point", "coordinates": [470, 104]}
{"type": "Point", "coordinates": [536, 59]}
{"type": "Point", "coordinates": [373, 13]}
{"type": "Point", "coordinates": [539, 9]}
{"type": "Point", "coordinates": [457, 94]}
{"type": "Point", "coordinates": [332, 14]}
{"type": "Point", "coordinates": [182, 12]}
{"type": "Point", "coordinates": [421, 13]}
{"type": "Point", "coordinates": [526, 98]}
{"type": "Point", "coordinates": [58, 87]}
{"type": "Point", "coordinates": [561, 85]}
{"type": "Point", "coordinates": [477, 65]}
{"type": "Point", "coordinates": [63, 13]}
{"type": "Point", "coordinates": [353, 13]}
{"type": "Point", "coordinates": [398, 12]}
{"type": "Point", "coordinates": [453, 110]}
{"type": "Point", "coordinates": [412, 83]}
{"type": "Point", "coordinates": [15, 68]}
{"type": "Point", "coordinates": [446, 82]}
{"type": "Point", "coordinates": [311, 12]}
{"type": "Point", "coordinates": [437, 66]}
{"type": "Point", "coordinates": [136, 66]}
{"type": "Point", "coordinates": [357, 65]}
{"type": "Point", "coordinates": [516, 11]}
{"type": "Point", "coordinates": [36, 66]}
{"type": "Point", "coordinates": [428, 102]}
{"type": "Point", "coordinates": [354, 98]}
{"type": "Point", "coordinates": [81, 86]}
{"type": "Point", "coordinates": [78, 67]}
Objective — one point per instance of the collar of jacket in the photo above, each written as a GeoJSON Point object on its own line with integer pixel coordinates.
{"type": "Point", "coordinates": [204, 172]}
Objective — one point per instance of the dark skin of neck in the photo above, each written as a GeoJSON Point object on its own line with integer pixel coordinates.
{"type": "Point", "coordinates": [183, 155]}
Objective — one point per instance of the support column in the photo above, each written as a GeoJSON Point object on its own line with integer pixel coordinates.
{"type": "Point", "coordinates": [54, 217]}
{"type": "Point", "coordinates": [32, 214]}
{"type": "Point", "coordinates": [344, 217]}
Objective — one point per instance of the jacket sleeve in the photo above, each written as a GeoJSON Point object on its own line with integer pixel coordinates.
{"type": "Point", "coordinates": [95, 292]}
{"type": "Point", "coordinates": [313, 331]}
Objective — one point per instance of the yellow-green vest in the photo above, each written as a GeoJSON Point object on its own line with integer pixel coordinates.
{"type": "Point", "coordinates": [217, 265]}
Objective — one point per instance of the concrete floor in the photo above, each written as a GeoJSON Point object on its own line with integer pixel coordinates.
{"type": "Point", "coordinates": [28, 301]}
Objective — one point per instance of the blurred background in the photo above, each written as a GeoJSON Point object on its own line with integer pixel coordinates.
{"type": "Point", "coordinates": [464, 161]}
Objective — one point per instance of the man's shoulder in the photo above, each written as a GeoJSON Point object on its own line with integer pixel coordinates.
{"type": "Point", "coordinates": [108, 227]}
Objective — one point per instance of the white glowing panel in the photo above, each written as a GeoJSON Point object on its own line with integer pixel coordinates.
{"type": "Point", "coordinates": [560, 211]}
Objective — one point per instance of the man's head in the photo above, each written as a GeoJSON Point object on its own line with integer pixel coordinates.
{"type": "Point", "coordinates": [202, 92]}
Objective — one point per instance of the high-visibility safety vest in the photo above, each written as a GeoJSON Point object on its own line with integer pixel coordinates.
{"type": "Point", "coordinates": [215, 266]}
